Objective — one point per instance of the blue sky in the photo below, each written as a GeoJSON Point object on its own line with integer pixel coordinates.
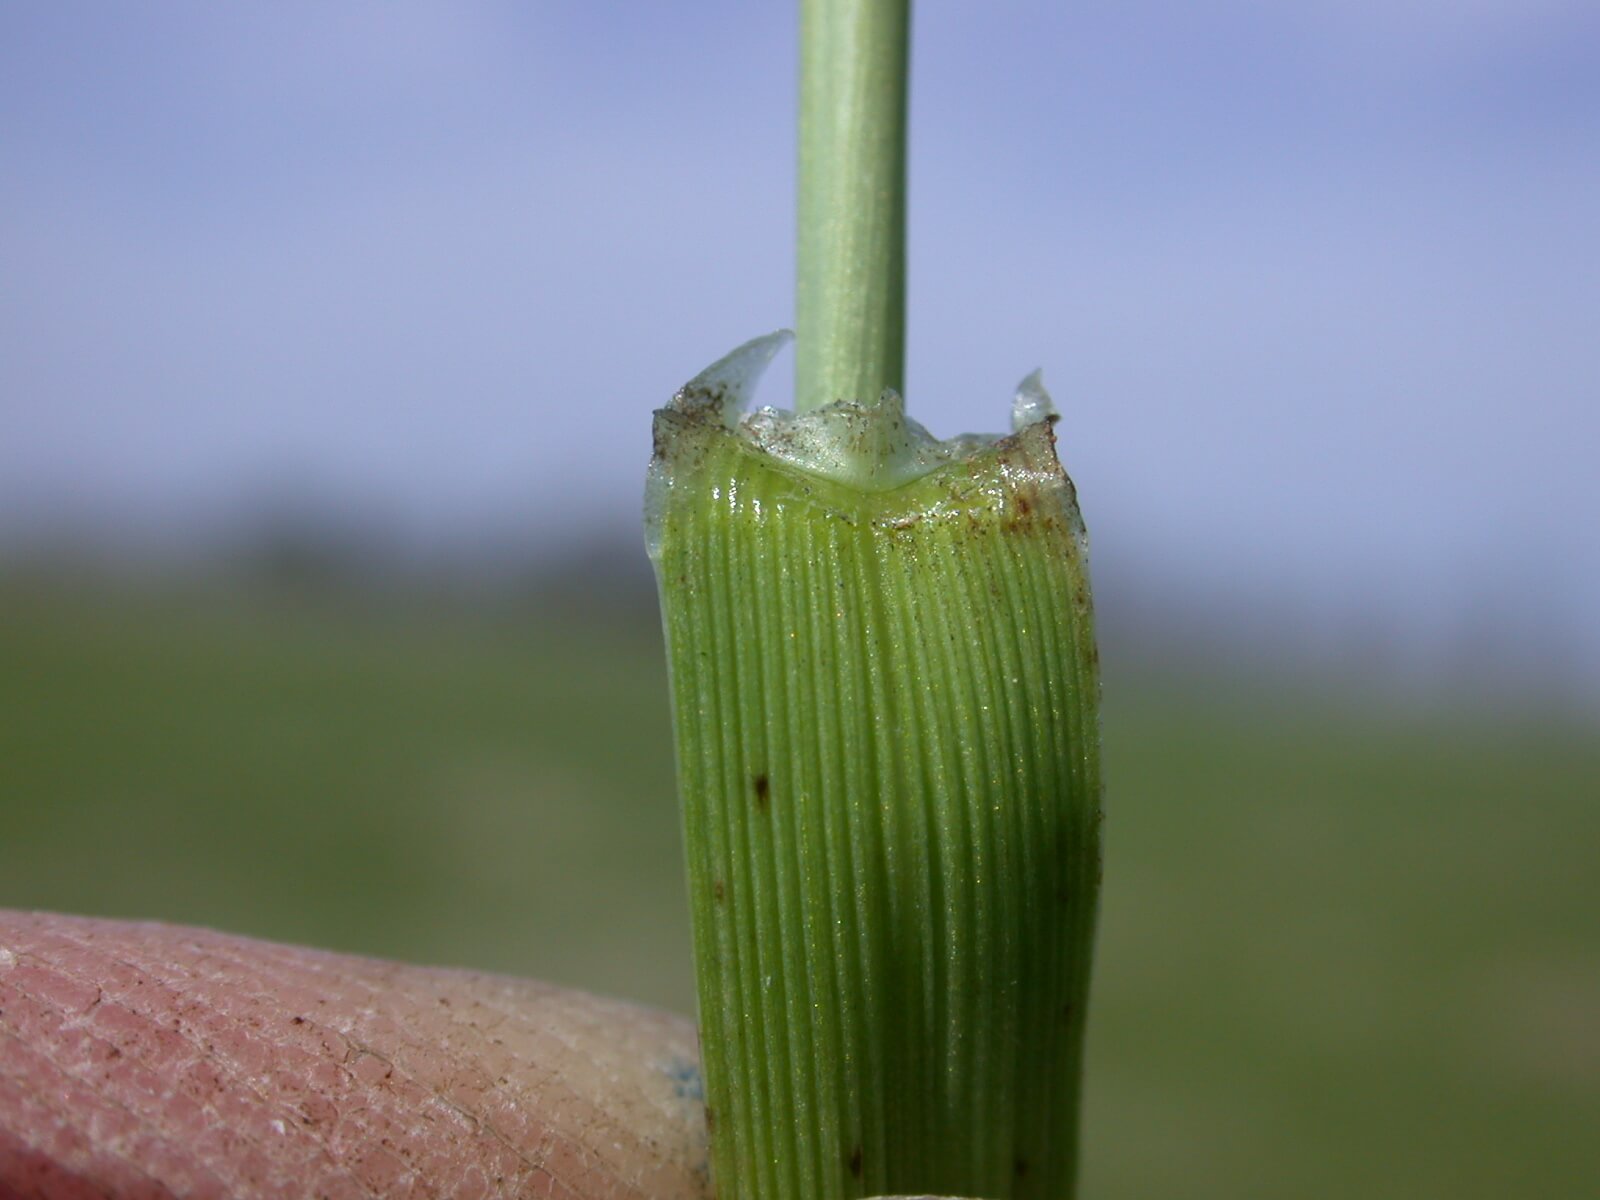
{"type": "Point", "coordinates": [1317, 286]}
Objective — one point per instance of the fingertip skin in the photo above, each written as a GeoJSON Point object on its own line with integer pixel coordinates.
{"type": "Point", "coordinates": [143, 1061]}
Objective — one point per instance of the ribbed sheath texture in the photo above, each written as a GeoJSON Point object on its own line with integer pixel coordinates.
{"type": "Point", "coordinates": [888, 758]}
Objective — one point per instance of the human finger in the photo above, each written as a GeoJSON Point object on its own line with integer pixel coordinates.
{"type": "Point", "coordinates": [141, 1059]}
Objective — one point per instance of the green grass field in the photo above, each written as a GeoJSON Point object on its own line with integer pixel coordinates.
{"type": "Point", "coordinates": [1341, 955]}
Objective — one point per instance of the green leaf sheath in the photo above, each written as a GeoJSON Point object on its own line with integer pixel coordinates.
{"type": "Point", "coordinates": [885, 705]}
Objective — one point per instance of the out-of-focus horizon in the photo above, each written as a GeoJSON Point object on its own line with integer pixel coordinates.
{"type": "Point", "coordinates": [1315, 288]}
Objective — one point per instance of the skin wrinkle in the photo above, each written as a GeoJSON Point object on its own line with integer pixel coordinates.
{"type": "Point", "coordinates": [63, 1141]}
{"type": "Point", "coordinates": [214, 1020]}
{"type": "Point", "coordinates": [388, 1189]}
{"type": "Point", "coordinates": [536, 1165]}
{"type": "Point", "coordinates": [464, 1111]}
{"type": "Point", "coordinates": [568, 1096]}
{"type": "Point", "coordinates": [357, 1051]}
{"type": "Point", "coordinates": [88, 1098]}
{"type": "Point", "coordinates": [202, 1056]}
{"type": "Point", "coordinates": [533, 1169]}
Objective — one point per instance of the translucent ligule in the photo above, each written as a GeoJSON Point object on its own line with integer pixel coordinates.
{"type": "Point", "coordinates": [885, 701]}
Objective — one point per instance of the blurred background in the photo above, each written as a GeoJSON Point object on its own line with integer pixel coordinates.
{"type": "Point", "coordinates": [329, 337]}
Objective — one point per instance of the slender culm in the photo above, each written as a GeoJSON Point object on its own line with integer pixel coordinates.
{"type": "Point", "coordinates": [850, 286]}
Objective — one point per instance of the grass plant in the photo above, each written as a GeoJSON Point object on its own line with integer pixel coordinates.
{"type": "Point", "coordinates": [885, 687]}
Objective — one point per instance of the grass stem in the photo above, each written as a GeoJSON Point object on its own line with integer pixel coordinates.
{"type": "Point", "coordinates": [850, 281]}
